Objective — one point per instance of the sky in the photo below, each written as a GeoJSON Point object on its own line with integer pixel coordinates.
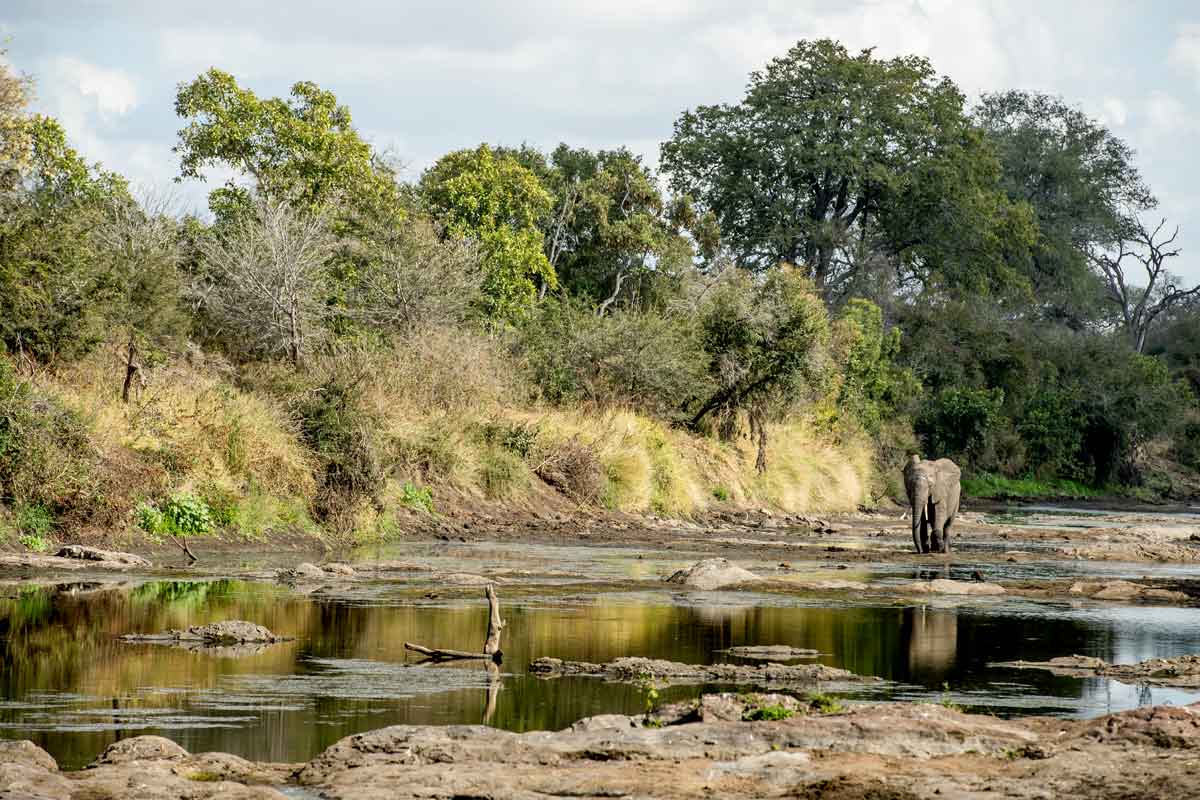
{"type": "Point", "coordinates": [423, 78]}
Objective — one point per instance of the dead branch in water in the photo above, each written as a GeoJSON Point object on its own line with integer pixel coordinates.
{"type": "Point", "coordinates": [183, 546]}
{"type": "Point", "coordinates": [491, 645]}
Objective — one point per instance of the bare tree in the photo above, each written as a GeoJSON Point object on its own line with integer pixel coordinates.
{"type": "Point", "coordinates": [140, 240]}
{"type": "Point", "coordinates": [1141, 249]}
{"type": "Point", "coordinates": [269, 288]}
{"type": "Point", "coordinates": [412, 277]}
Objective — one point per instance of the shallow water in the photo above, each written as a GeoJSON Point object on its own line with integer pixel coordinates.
{"type": "Point", "coordinates": [70, 685]}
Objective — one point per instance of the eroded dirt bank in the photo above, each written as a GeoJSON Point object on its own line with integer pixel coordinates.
{"type": "Point", "coordinates": [881, 752]}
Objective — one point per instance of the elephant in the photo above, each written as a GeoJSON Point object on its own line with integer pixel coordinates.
{"type": "Point", "coordinates": [933, 493]}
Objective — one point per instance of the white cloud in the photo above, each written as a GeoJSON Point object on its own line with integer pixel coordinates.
{"type": "Point", "coordinates": [1113, 112]}
{"type": "Point", "coordinates": [113, 91]}
{"type": "Point", "coordinates": [1185, 52]}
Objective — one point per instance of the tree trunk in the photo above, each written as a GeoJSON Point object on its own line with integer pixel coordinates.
{"type": "Point", "coordinates": [131, 369]}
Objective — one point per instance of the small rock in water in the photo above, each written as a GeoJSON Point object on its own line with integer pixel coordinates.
{"type": "Point", "coordinates": [772, 652]}
{"type": "Point", "coordinates": [712, 573]}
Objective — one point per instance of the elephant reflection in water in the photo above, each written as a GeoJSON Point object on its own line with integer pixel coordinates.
{"type": "Point", "coordinates": [931, 638]}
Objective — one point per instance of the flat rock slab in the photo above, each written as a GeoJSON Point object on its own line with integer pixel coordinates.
{"type": "Point", "coordinates": [630, 670]}
{"type": "Point", "coordinates": [1181, 671]}
{"type": "Point", "coordinates": [966, 588]}
{"type": "Point", "coordinates": [74, 557]}
{"type": "Point", "coordinates": [229, 633]}
{"type": "Point", "coordinates": [771, 652]}
{"type": "Point", "coordinates": [1126, 590]}
{"type": "Point", "coordinates": [712, 573]}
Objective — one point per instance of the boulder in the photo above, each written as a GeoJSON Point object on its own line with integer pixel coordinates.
{"type": "Point", "coordinates": [139, 748]}
{"type": "Point", "coordinates": [712, 573]}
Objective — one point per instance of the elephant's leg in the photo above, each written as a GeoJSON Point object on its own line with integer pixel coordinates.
{"type": "Point", "coordinates": [938, 524]}
{"type": "Point", "coordinates": [946, 533]}
{"type": "Point", "coordinates": [925, 522]}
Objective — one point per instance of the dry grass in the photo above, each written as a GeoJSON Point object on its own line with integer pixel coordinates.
{"type": "Point", "coordinates": [454, 415]}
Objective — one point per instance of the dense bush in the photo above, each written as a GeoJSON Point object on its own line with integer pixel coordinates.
{"type": "Point", "coordinates": [645, 359]}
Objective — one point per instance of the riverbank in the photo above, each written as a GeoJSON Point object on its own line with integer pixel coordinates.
{"type": "Point", "coordinates": [882, 752]}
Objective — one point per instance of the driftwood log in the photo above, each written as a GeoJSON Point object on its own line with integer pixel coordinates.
{"type": "Point", "coordinates": [491, 646]}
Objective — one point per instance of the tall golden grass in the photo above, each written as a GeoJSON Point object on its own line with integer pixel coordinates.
{"type": "Point", "coordinates": [438, 396]}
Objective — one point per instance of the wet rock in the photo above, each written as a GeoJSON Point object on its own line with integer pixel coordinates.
{"type": "Point", "coordinates": [639, 669]}
{"type": "Point", "coordinates": [28, 771]}
{"type": "Point", "coordinates": [463, 579]}
{"type": "Point", "coordinates": [604, 722]}
{"type": "Point", "coordinates": [946, 586]}
{"type": "Point", "coordinates": [729, 707]}
{"type": "Point", "coordinates": [228, 632]}
{"type": "Point", "coordinates": [338, 568]}
{"type": "Point", "coordinates": [712, 573]}
{"type": "Point", "coordinates": [139, 748]}
{"type": "Point", "coordinates": [23, 751]}
{"type": "Point", "coordinates": [771, 652]}
{"type": "Point", "coordinates": [1125, 590]}
{"type": "Point", "coordinates": [109, 557]}
{"type": "Point", "coordinates": [1182, 671]}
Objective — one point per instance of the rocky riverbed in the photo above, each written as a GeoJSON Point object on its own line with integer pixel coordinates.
{"type": "Point", "coordinates": [881, 752]}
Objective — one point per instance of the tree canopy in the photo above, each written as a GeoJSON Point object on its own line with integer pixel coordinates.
{"type": "Point", "coordinates": [832, 157]}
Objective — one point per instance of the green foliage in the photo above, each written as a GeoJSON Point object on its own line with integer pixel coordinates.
{"type": "Point", "coordinates": [492, 199]}
{"type": "Point", "coordinates": [641, 358]}
{"type": "Point", "coordinates": [611, 235]}
{"type": "Point", "coordinates": [418, 498]}
{"type": "Point", "coordinates": [988, 486]}
{"type": "Point", "coordinates": [518, 438]}
{"type": "Point", "coordinates": [648, 688]}
{"type": "Point", "coordinates": [347, 438]}
{"type": "Point", "coordinates": [825, 703]}
{"type": "Point", "coordinates": [767, 713]}
{"type": "Point", "coordinates": [35, 524]}
{"type": "Point", "coordinates": [721, 494]}
{"type": "Point", "coordinates": [46, 459]}
{"type": "Point", "coordinates": [303, 150]}
{"type": "Point", "coordinates": [60, 286]}
{"type": "Point", "coordinates": [763, 341]}
{"type": "Point", "coordinates": [830, 150]}
{"type": "Point", "coordinates": [1078, 178]}
{"type": "Point", "coordinates": [873, 387]}
{"type": "Point", "coordinates": [960, 422]}
{"type": "Point", "coordinates": [182, 514]}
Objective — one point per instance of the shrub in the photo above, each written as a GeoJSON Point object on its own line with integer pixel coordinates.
{"type": "Point", "coordinates": [641, 358]}
{"type": "Point", "coordinates": [572, 467]}
{"type": "Point", "coordinates": [767, 713]}
{"type": "Point", "coordinates": [958, 422]}
{"type": "Point", "coordinates": [418, 498]}
{"type": "Point", "coordinates": [46, 458]}
{"type": "Point", "coordinates": [501, 472]}
{"type": "Point", "coordinates": [183, 514]}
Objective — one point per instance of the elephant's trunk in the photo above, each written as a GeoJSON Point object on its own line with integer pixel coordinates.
{"type": "Point", "coordinates": [920, 510]}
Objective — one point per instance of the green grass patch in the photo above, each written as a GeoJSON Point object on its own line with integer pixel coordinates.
{"type": "Point", "coordinates": [825, 704]}
{"type": "Point", "coordinates": [768, 713]}
{"type": "Point", "coordinates": [987, 486]}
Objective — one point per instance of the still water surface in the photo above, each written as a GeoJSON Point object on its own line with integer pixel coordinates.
{"type": "Point", "coordinates": [70, 685]}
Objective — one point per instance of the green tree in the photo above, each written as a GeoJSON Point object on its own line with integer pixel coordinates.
{"type": "Point", "coordinates": [832, 158]}
{"type": "Point", "coordinates": [1080, 181]}
{"type": "Point", "coordinates": [494, 200]}
{"type": "Point", "coordinates": [611, 235]}
{"type": "Point", "coordinates": [58, 287]}
{"type": "Point", "coordinates": [873, 387]}
{"type": "Point", "coordinates": [764, 339]}
{"type": "Point", "coordinates": [303, 150]}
